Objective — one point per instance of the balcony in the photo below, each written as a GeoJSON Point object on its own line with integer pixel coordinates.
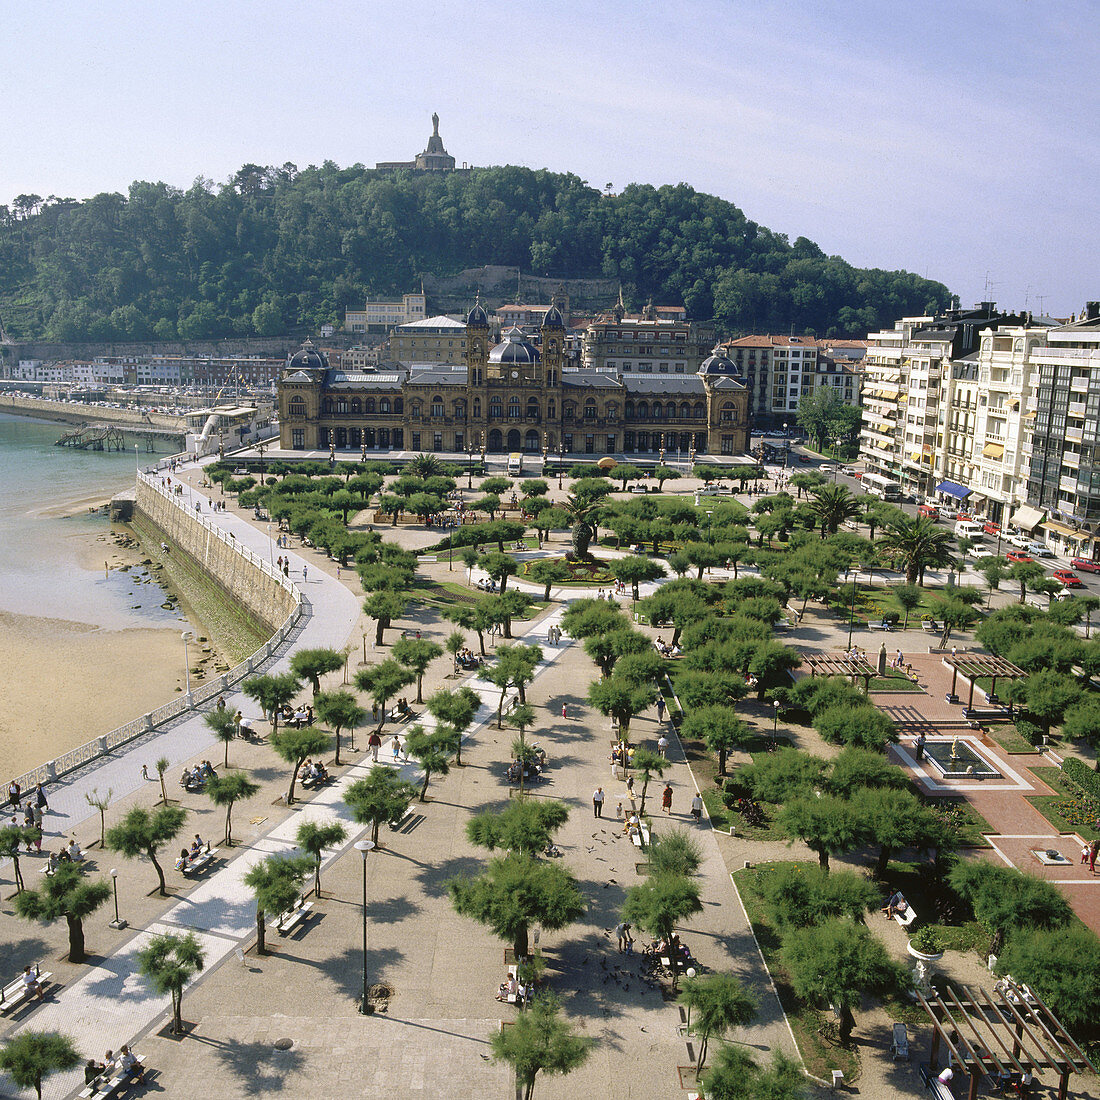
{"type": "Point", "coordinates": [1074, 435]}
{"type": "Point", "coordinates": [1077, 409]}
{"type": "Point", "coordinates": [1079, 384]}
{"type": "Point", "coordinates": [1071, 459]}
{"type": "Point", "coordinates": [1067, 485]}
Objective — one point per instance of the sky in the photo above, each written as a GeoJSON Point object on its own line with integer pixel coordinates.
{"type": "Point", "coordinates": [955, 140]}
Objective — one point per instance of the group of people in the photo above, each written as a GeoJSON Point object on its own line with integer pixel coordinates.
{"type": "Point", "coordinates": [71, 853]}
{"type": "Point", "coordinates": [124, 1064]}
{"type": "Point", "coordinates": [312, 773]}
{"type": "Point", "coordinates": [194, 778]}
{"type": "Point", "coordinates": [188, 856]}
{"type": "Point", "coordinates": [665, 649]}
{"type": "Point", "coordinates": [553, 634]}
{"type": "Point", "coordinates": [1089, 853]}
{"type": "Point", "coordinates": [303, 716]}
{"type": "Point", "coordinates": [467, 659]}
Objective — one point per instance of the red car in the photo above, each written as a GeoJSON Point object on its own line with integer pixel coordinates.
{"type": "Point", "coordinates": [1068, 578]}
{"type": "Point", "coordinates": [992, 528]}
{"type": "Point", "coordinates": [1086, 565]}
{"type": "Point", "coordinates": [1018, 555]}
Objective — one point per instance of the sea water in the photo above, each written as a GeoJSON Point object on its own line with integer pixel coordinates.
{"type": "Point", "coordinates": [48, 534]}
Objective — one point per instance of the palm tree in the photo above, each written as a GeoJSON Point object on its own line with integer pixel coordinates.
{"type": "Point", "coordinates": [582, 514]}
{"type": "Point", "coordinates": [832, 505]}
{"type": "Point", "coordinates": [917, 544]}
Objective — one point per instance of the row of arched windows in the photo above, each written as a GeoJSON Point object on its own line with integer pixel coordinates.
{"type": "Point", "coordinates": [355, 407]}
{"type": "Point", "coordinates": [643, 410]}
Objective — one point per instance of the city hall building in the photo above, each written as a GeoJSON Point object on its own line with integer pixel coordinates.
{"type": "Point", "coordinates": [511, 396]}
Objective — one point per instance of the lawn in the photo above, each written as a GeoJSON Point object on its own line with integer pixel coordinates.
{"type": "Point", "coordinates": [1069, 811]}
{"type": "Point", "coordinates": [1009, 738]}
{"type": "Point", "coordinates": [969, 825]}
{"type": "Point", "coordinates": [814, 1029]}
{"type": "Point", "coordinates": [894, 681]}
{"type": "Point", "coordinates": [874, 601]}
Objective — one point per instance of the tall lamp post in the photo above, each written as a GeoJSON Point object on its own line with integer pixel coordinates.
{"type": "Point", "coordinates": [561, 458]}
{"type": "Point", "coordinates": [187, 636]}
{"type": "Point", "coordinates": [117, 922]}
{"type": "Point", "coordinates": [470, 467]}
{"type": "Point", "coordinates": [852, 606]}
{"type": "Point", "coordinates": [363, 847]}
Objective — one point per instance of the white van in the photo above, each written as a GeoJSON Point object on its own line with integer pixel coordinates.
{"type": "Point", "coordinates": [969, 529]}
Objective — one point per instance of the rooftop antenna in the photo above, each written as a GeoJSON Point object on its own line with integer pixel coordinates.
{"type": "Point", "coordinates": [1041, 298]}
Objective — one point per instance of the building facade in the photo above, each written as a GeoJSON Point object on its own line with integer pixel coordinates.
{"type": "Point", "coordinates": [646, 344]}
{"type": "Point", "coordinates": [431, 340]}
{"type": "Point", "coordinates": [512, 395]}
{"type": "Point", "coordinates": [386, 315]}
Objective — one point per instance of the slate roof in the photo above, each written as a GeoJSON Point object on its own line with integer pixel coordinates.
{"type": "Point", "coordinates": [664, 383]}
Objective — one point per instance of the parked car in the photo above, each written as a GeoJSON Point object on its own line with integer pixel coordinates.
{"type": "Point", "coordinates": [929, 510]}
{"type": "Point", "coordinates": [1040, 549]}
{"type": "Point", "coordinates": [1018, 555]}
{"type": "Point", "coordinates": [1086, 565]}
{"type": "Point", "coordinates": [1019, 541]}
{"type": "Point", "coordinates": [992, 528]}
{"type": "Point", "coordinates": [1068, 578]}
{"type": "Point", "coordinates": [983, 553]}
{"type": "Point", "coordinates": [851, 471]}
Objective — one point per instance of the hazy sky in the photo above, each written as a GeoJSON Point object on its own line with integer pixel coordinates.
{"type": "Point", "coordinates": [957, 140]}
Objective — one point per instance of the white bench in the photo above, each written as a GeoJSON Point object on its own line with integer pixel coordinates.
{"type": "Point", "coordinates": [15, 993]}
{"type": "Point", "coordinates": [910, 916]}
{"type": "Point", "coordinates": [105, 1086]}
{"type": "Point", "coordinates": [936, 1087]}
{"type": "Point", "coordinates": [641, 838]}
{"type": "Point", "coordinates": [200, 861]}
{"type": "Point", "coordinates": [405, 817]}
{"type": "Point", "coordinates": [289, 921]}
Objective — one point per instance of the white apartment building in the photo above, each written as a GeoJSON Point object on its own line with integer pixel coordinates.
{"type": "Point", "coordinates": [412, 307]}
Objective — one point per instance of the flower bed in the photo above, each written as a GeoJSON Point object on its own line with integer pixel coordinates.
{"type": "Point", "coordinates": [593, 571]}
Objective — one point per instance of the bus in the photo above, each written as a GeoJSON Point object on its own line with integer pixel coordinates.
{"type": "Point", "coordinates": [880, 486]}
{"type": "Point", "coordinates": [515, 463]}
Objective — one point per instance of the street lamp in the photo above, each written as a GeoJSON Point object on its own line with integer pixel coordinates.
{"type": "Point", "coordinates": [187, 636]}
{"type": "Point", "coordinates": [470, 467]}
{"type": "Point", "coordinates": [852, 607]}
{"type": "Point", "coordinates": [561, 459]}
{"type": "Point", "coordinates": [775, 723]}
{"type": "Point", "coordinates": [117, 922]}
{"type": "Point", "coordinates": [270, 551]}
{"type": "Point", "coordinates": [137, 461]}
{"type": "Point", "coordinates": [364, 846]}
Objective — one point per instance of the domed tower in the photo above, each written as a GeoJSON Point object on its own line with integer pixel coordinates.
{"type": "Point", "coordinates": [728, 423]}
{"type": "Point", "coordinates": [477, 343]}
{"type": "Point", "coordinates": [300, 389]}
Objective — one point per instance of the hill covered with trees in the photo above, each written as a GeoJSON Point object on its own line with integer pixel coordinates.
{"type": "Point", "coordinates": [276, 250]}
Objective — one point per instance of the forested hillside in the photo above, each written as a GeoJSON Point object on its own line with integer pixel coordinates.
{"type": "Point", "coordinates": [278, 250]}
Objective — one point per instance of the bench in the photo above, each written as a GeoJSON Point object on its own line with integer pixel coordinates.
{"type": "Point", "coordinates": [104, 1086]}
{"type": "Point", "coordinates": [406, 817]}
{"type": "Point", "coordinates": [882, 625]}
{"type": "Point", "coordinates": [14, 993]}
{"type": "Point", "coordinates": [936, 1088]}
{"type": "Point", "coordinates": [290, 920]}
{"type": "Point", "coordinates": [929, 626]}
{"type": "Point", "coordinates": [641, 837]}
{"type": "Point", "coordinates": [905, 921]}
{"type": "Point", "coordinates": [200, 861]}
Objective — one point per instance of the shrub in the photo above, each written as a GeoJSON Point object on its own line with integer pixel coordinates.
{"type": "Point", "coordinates": [927, 941]}
{"type": "Point", "coordinates": [1080, 774]}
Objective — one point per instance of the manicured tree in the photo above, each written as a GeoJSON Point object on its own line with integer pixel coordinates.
{"type": "Point", "coordinates": [456, 709]}
{"type": "Point", "coordinates": [956, 615]}
{"type": "Point", "coordinates": [416, 654]}
{"type": "Point", "coordinates": [895, 819]}
{"type": "Point", "coordinates": [909, 597]}
{"type": "Point", "coordinates": [716, 1004]}
{"type": "Point", "coordinates": [315, 837]}
{"type": "Point", "coordinates": [839, 962]}
{"type": "Point", "coordinates": [312, 664]}
{"type": "Point", "coordinates": [515, 667]}
{"type": "Point", "coordinates": [781, 776]}
{"type": "Point", "coordinates": [857, 768]}
{"type": "Point", "coordinates": [432, 751]}
{"type": "Point", "coordinates": [796, 896]}
{"type": "Point", "coordinates": [826, 825]}
{"type": "Point", "coordinates": [735, 1076]}
{"type": "Point", "coordinates": [994, 570]}
{"type": "Point", "coordinates": [644, 669]}
{"type": "Point", "coordinates": [620, 699]}
{"type": "Point", "coordinates": [701, 555]}
{"type": "Point", "coordinates": [294, 746]}
{"type": "Point", "coordinates": [382, 682]}
{"type": "Point", "coordinates": [1082, 722]}
{"type": "Point", "coordinates": [1048, 587]}
{"type": "Point", "coordinates": [141, 833]}
{"type": "Point", "coordinates": [663, 474]}
{"type": "Point", "coordinates": [1004, 899]}
{"type": "Point", "coordinates": [548, 572]}
{"type": "Point", "coordinates": [719, 729]}
{"type": "Point", "coordinates": [456, 642]}
{"type": "Point", "coordinates": [1087, 604]}
{"type": "Point", "coordinates": [224, 725]}
{"type": "Point", "coordinates": [500, 567]}
{"type": "Point", "coordinates": [634, 569]}
{"type": "Point", "coordinates": [539, 1040]}
{"type": "Point", "coordinates": [169, 963]}
{"type": "Point", "coordinates": [1048, 695]}
{"type": "Point", "coordinates": [647, 764]}
{"type": "Point", "coordinates": [606, 648]}
{"type": "Point", "coordinates": [13, 838]}
{"type": "Point", "coordinates": [489, 504]}
{"type": "Point", "coordinates": [225, 790]}
{"type": "Point", "coordinates": [276, 882]}
{"type": "Point", "coordinates": [524, 826]}
{"type": "Point", "coordinates": [496, 485]}
{"type": "Point", "coordinates": [1025, 574]}
{"type": "Point", "coordinates": [852, 725]}
{"type": "Point", "coordinates": [100, 802]}
{"type": "Point", "coordinates": [512, 605]}
{"type": "Point", "coordinates": [674, 853]}
{"type": "Point", "coordinates": [341, 711]}
{"type": "Point", "coordinates": [384, 606]}
{"type": "Point", "coordinates": [381, 797]}
{"type": "Point", "coordinates": [515, 891]}
{"type": "Point", "coordinates": [659, 904]}
{"type": "Point", "coordinates": [771, 664]}
{"type": "Point", "coordinates": [31, 1056]}
{"type": "Point", "coordinates": [624, 473]}
{"type": "Point", "coordinates": [1062, 966]}
{"type": "Point", "coordinates": [272, 693]}
{"type": "Point", "coordinates": [710, 689]}
{"type": "Point", "coordinates": [66, 893]}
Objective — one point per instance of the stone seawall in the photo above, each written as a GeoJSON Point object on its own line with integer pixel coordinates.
{"type": "Point", "coordinates": [240, 578]}
{"type": "Point", "coordinates": [77, 413]}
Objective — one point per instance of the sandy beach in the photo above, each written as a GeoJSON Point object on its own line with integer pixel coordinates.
{"type": "Point", "coordinates": [66, 683]}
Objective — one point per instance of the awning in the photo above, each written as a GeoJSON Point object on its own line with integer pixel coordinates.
{"type": "Point", "coordinates": [993, 450]}
{"type": "Point", "coordinates": [1025, 517]}
{"type": "Point", "coordinates": [976, 498]}
{"type": "Point", "coordinates": [1063, 530]}
{"type": "Point", "coordinates": [960, 492]}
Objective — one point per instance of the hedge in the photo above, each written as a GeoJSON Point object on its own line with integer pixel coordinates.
{"type": "Point", "coordinates": [1083, 776]}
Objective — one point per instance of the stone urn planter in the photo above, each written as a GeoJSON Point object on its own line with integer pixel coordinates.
{"type": "Point", "coordinates": [924, 971]}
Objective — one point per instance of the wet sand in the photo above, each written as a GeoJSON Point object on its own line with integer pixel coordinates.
{"type": "Point", "coordinates": [65, 683]}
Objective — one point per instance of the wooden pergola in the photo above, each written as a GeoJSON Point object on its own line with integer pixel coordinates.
{"type": "Point", "coordinates": [1000, 1034]}
{"type": "Point", "coordinates": [973, 665]}
{"type": "Point", "coordinates": [842, 666]}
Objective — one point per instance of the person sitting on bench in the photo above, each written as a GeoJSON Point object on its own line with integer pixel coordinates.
{"type": "Point", "coordinates": [92, 1070]}
{"type": "Point", "coordinates": [73, 851]}
{"type": "Point", "coordinates": [31, 982]}
{"type": "Point", "coordinates": [130, 1066]}
{"type": "Point", "coordinates": [896, 905]}
{"type": "Point", "coordinates": [182, 861]}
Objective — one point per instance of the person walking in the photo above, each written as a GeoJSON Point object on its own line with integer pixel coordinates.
{"type": "Point", "coordinates": [396, 746]}
{"type": "Point", "coordinates": [564, 715]}
{"type": "Point", "coordinates": [1094, 848]}
{"type": "Point", "coordinates": [305, 573]}
{"type": "Point", "coordinates": [662, 745]}
{"type": "Point", "coordinates": [666, 799]}
{"type": "Point", "coordinates": [660, 708]}
{"type": "Point", "coordinates": [597, 802]}
{"type": "Point", "coordinates": [374, 742]}
{"type": "Point", "coordinates": [697, 806]}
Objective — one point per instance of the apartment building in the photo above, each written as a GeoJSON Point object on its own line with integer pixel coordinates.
{"type": "Point", "coordinates": [646, 344]}
{"type": "Point", "coordinates": [385, 315]}
{"type": "Point", "coordinates": [430, 340]}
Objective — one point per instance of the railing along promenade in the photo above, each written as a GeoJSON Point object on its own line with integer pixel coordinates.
{"type": "Point", "coordinates": [74, 759]}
